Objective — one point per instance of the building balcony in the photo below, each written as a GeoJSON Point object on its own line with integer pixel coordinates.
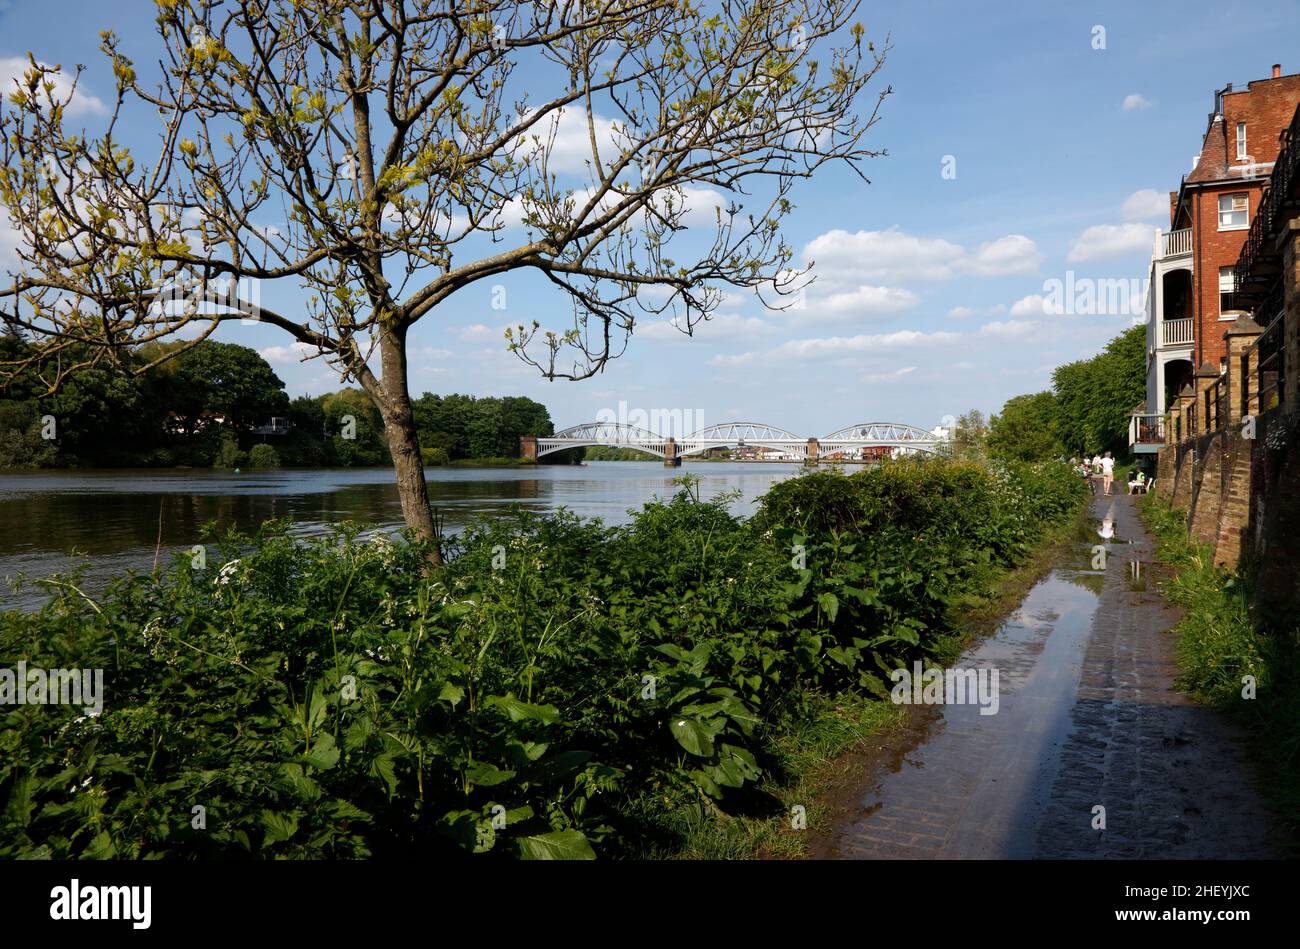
{"type": "Point", "coordinates": [1146, 434]}
{"type": "Point", "coordinates": [1176, 332]}
{"type": "Point", "coordinates": [1173, 244]}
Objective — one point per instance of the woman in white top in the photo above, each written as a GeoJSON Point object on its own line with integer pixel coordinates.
{"type": "Point", "coordinates": [1107, 473]}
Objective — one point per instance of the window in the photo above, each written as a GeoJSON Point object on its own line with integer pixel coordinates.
{"type": "Point", "coordinates": [1227, 284]}
{"type": "Point", "coordinates": [1241, 141]}
{"type": "Point", "coordinates": [1233, 212]}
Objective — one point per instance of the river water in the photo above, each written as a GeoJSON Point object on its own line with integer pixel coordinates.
{"type": "Point", "coordinates": [108, 522]}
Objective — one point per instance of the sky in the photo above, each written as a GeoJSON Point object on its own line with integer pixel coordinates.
{"type": "Point", "coordinates": [1027, 143]}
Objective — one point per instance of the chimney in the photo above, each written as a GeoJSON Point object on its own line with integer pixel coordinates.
{"type": "Point", "coordinates": [1277, 70]}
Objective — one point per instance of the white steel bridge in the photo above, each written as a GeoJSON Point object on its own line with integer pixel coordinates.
{"type": "Point", "coordinates": [864, 441]}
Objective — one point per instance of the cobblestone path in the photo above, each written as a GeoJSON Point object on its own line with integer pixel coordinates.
{"type": "Point", "coordinates": [1088, 715]}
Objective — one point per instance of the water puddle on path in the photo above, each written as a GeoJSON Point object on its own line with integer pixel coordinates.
{"type": "Point", "coordinates": [961, 784]}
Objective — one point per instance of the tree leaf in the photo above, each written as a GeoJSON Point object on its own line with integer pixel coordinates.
{"type": "Point", "coordinates": [517, 710]}
{"type": "Point", "coordinates": [557, 845]}
{"type": "Point", "coordinates": [278, 827]}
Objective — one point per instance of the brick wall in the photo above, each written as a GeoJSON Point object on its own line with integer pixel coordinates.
{"type": "Point", "coordinates": [1213, 249]}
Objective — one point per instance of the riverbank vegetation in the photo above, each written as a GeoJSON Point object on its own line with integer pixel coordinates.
{"type": "Point", "coordinates": [1220, 644]}
{"type": "Point", "coordinates": [213, 405]}
{"type": "Point", "coordinates": [559, 688]}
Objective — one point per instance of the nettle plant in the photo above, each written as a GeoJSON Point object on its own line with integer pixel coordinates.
{"type": "Point", "coordinates": [374, 159]}
{"type": "Point", "coordinates": [552, 691]}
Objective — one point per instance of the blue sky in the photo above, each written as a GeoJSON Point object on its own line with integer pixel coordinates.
{"type": "Point", "coordinates": [926, 301]}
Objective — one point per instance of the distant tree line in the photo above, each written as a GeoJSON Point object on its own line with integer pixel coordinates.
{"type": "Point", "coordinates": [1086, 411]}
{"type": "Point", "coordinates": [205, 406]}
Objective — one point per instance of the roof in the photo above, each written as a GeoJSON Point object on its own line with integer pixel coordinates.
{"type": "Point", "coordinates": [1266, 107]}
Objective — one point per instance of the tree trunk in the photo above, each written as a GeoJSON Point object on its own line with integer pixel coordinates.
{"type": "Point", "coordinates": [404, 443]}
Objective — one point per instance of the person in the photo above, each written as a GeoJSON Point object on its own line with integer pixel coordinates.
{"type": "Point", "coordinates": [1107, 473]}
{"type": "Point", "coordinates": [1096, 464]}
{"type": "Point", "coordinates": [1138, 484]}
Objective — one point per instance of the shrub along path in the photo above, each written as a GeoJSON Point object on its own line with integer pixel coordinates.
{"type": "Point", "coordinates": [1088, 716]}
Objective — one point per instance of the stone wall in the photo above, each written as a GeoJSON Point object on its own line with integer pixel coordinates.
{"type": "Point", "coordinates": [1242, 497]}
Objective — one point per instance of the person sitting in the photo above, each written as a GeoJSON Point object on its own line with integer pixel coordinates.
{"type": "Point", "coordinates": [1139, 483]}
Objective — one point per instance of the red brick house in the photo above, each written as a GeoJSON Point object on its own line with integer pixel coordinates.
{"type": "Point", "coordinates": [1191, 299]}
{"type": "Point", "coordinates": [1219, 197]}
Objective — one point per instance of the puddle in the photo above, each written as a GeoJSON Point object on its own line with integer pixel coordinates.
{"type": "Point", "coordinates": [959, 783]}
{"type": "Point", "coordinates": [1137, 575]}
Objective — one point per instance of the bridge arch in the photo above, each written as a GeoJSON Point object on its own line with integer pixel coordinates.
{"type": "Point", "coordinates": [736, 434]}
{"type": "Point", "coordinates": [884, 431]}
{"type": "Point", "coordinates": [610, 434]}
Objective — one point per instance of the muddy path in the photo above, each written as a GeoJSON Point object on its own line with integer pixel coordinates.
{"type": "Point", "coordinates": [1087, 716]}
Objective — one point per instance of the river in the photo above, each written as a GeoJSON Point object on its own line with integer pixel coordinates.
{"type": "Point", "coordinates": [110, 521]}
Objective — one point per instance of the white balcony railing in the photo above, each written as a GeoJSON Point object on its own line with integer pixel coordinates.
{"type": "Point", "coordinates": [1176, 243]}
{"type": "Point", "coordinates": [1175, 332]}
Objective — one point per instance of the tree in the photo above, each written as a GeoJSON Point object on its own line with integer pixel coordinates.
{"type": "Point", "coordinates": [395, 136]}
{"type": "Point", "coordinates": [226, 380]}
{"type": "Point", "coordinates": [1095, 397]}
{"type": "Point", "coordinates": [1025, 430]}
{"type": "Point", "coordinates": [969, 434]}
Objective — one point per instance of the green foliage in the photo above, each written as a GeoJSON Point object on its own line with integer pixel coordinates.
{"type": "Point", "coordinates": [610, 453]}
{"type": "Point", "coordinates": [550, 693]}
{"type": "Point", "coordinates": [1026, 429]}
{"type": "Point", "coordinates": [183, 412]}
{"type": "Point", "coordinates": [463, 426]}
{"type": "Point", "coordinates": [1219, 646]}
{"type": "Point", "coordinates": [357, 429]}
{"type": "Point", "coordinates": [230, 455]}
{"type": "Point", "coordinates": [1095, 397]}
{"type": "Point", "coordinates": [263, 456]}
{"type": "Point", "coordinates": [199, 409]}
{"type": "Point", "coordinates": [1217, 643]}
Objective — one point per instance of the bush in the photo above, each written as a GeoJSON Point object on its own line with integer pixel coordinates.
{"type": "Point", "coordinates": [433, 457]}
{"type": "Point", "coordinates": [229, 455]}
{"type": "Point", "coordinates": [263, 456]}
{"type": "Point", "coordinates": [546, 693]}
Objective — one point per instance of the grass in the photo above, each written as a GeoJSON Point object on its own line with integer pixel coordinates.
{"type": "Point", "coordinates": [1219, 646]}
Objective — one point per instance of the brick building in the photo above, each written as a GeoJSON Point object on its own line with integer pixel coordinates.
{"type": "Point", "coordinates": [1191, 301]}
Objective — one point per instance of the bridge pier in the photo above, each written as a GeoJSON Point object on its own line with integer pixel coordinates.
{"type": "Point", "coordinates": [671, 458]}
{"type": "Point", "coordinates": [813, 448]}
{"type": "Point", "coordinates": [528, 447]}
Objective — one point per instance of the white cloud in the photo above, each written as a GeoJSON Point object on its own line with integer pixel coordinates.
{"type": "Point", "coordinates": [431, 352]}
{"type": "Point", "coordinates": [479, 333]}
{"type": "Point", "coordinates": [293, 353]}
{"type": "Point", "coordinates": [1013, 254]}
{"type": "Point", "coordinates": [1033, 305]}
{"type": "Point", "coordinates": [881, 256]}
{"type": "Point", "coordinates": [1135, 101]}
{"type": "Point", "coordinates": [12, 69]}
{"type": "Point", "coordinates": [845, 261]}
{"type": "Point", "coordinates": [832, 345]}
{"type": "Point", "coordinates": [865, 301]}
{"type": "Point", "coordinates": [1144, 205]}
{"type": "Point", "coordinates": [1110, 240]}
{"type": "Point", "coordinates": [878, 377]}
{"type": "Point", "coordinates": [570, 150]}
{"type": "Point", "coordinates": [741, 359]}
{"type": "Point", "coordinates": [962, 312]}
{"type": "Point", "coordinates": [1008, 329]}
{"type": "Point", "coordinates": [719, 326]}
